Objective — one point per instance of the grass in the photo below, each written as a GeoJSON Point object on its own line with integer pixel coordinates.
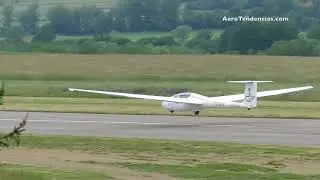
{"type": "Point", "coordinates": [47, 74]}
{"type": "Point", "coordinates": [20, 172]}
{"type": "Point", "coordinates": [6, 174]}
{"type": "Point", "coordinates": [179, 159]}
{"type": "Point", "coordinates": [130, 106]}
{"type": "Point", "coordinates": [164, 147]}
{"type": "Point", "coordinates": [54, 88]}
{"type": "Point", "coordinates": [135, 36]}
{"type": "Point", "coordinates": [191, 159]}
{"type": "Point", "coordinates": [180, 67]}
{"type": "Point", "coordinates": [230, 171]}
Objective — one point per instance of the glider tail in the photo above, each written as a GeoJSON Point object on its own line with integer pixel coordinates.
{"type": "Point", "coordinates": [250, 92]}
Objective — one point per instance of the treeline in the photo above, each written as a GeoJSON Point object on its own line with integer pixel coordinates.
{"type": "Point", "coordinates": [164, 15]}
{"type": "Point", "coordinates": [264, 39]}
{"type": "Point", "coordinates": [300, 36]}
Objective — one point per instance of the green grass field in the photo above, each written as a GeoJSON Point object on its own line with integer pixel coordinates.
{"type": "Point", "coordinates": [124, 106]}
{"type": "Point", "coordinates": [134, 36]}
{"type": "Point", "coordinates": [230, 171]}
{"type": "Point", "coordinates": [47, 75]}
{"type": "Point", "coordinates": [178, 67]}
{"type": "Point", "coordinates": [120, 158]}
{"type": "Point", "coordinates": [23, 172]}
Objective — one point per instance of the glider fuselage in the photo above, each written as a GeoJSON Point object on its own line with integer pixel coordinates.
{"type": "Point", "coordinates": [206, 103]}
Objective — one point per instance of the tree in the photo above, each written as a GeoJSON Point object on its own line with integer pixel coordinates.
{"type": "Point", "coordinates": [7, 19]}
{"type": "Point", "coordinates": [5, 2]}
{"type": "Point", "coordinates": [14, 136]}
{"type": "Point", "coordinates": [201, 36]}
{"type": "Point", "coordinates": [29, 18]}
{"type": "Point", "coordinates": [146, 15]}
{"type": "Point", "coordinates": [181, 34]}
{"type": "Point", "coordinates": [45, 34]}
{"type": "Point", "coordinates": [102, 24]}
{"type": "Point", "coordinates": [314, 32]}
{"type": "Point", "coordinates": [316, 50]}
{"type": "Point", "coordinates": [296, 47]}
{"type": "Point", "coordinates": [87, 46]}
{"type": "Point", "coordinates": [15, 34]}
{"type": "Point", "coordinates": [204, 41]}
{"type": "Point", "coordinates": [84, 19]}
{"type": "Point", "coordinates": [61, 19]}
{"type": "Point", "coordinates": [255, 36]}
{"type": "Point", "coordinates": [167, 16]}
{"type": "Point", "coordinates": [136, 15]}
{"type": "Point", "coordinates": [130, 13]}
{"type": "Point", "coordinates": [2, 94]}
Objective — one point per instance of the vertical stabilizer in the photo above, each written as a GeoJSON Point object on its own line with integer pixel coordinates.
{"type": "Point", "coordinates": [250, 92]}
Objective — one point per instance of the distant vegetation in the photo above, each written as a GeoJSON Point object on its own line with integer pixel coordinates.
{"type": "Point", "coordinates": [46, 5]}
{"type": "Point", "coordinates": [161, 27]}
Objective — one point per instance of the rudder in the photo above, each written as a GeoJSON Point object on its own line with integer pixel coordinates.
{"type": "Point", "coordinates": [250, 92]}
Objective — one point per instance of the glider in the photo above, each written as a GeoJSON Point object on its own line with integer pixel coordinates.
{"type": "Point", "coordinates": [195, 102]}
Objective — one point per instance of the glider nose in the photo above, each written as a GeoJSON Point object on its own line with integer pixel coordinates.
{"type": "Point", "coordinates": [165, 104]}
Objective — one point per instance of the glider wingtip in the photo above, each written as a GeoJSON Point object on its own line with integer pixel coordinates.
{"type": "Point", "coordinates": [307, 87]}
{"type": "Point", "coordinates": [68, 89]}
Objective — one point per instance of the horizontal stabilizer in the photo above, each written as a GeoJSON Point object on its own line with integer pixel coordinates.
{"type": "Point", "coordinates": [249, 81]}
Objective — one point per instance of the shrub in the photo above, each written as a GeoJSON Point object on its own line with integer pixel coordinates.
{"type": "Point", "coordinates": [2, 94]}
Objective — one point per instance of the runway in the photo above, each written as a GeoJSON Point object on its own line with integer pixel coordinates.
{"type": "Point", "coordinates": [296, 132]}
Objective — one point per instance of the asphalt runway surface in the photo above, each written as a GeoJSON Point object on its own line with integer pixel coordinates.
{"type": "Point", "coordinates": [295, 132]}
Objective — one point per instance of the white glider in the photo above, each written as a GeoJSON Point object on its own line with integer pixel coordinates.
{"type": "Point", "coordinates": [195, 102]}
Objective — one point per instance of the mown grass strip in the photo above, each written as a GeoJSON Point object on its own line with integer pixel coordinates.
{"type": "Point", "coordinates": [272, 109]}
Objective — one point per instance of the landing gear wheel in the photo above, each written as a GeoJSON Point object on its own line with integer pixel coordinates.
{"type": "Point", "coordinates": [171, 111]}
{"type": "Point", "coordinates": [196, 113]}
{"type": "Point", "coordinates": [249, 109]}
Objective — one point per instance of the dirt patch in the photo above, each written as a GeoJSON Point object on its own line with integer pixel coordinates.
{"type": "Point", "coordinates": [74, 160]}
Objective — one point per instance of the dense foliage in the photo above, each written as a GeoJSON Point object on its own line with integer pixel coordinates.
{"type": "Point", "coordinates": [298, 36]}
